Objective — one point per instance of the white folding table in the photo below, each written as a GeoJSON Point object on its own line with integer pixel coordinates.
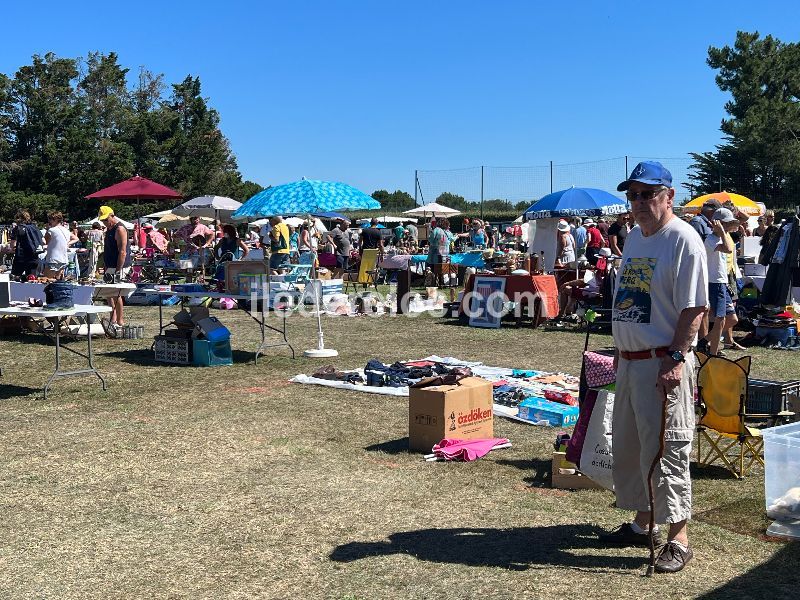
{"type": "Point", "coordinates": [56, 318]}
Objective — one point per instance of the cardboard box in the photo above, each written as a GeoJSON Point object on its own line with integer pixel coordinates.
{"type": "Point", "coordinates": [234, 268]}
{"type": "Point", "coordinates": [462, 411]}
{"type": "Point", "coordinates": [568, 481]}
{"type": "Point", "coordinates": [557, 414]}
{"type": "Point", "coordinates": [252, 282]}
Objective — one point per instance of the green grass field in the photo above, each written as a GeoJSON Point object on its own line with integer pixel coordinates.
{"type": "Point", "coordinates": [230, 482]}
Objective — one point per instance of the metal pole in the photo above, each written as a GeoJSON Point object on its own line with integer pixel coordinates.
{"type": "Point", "coordinates": [551, 176]}
{"type": "Point", "coordinates": [481, 192]}
{"type": "Point", "coordinates": [626, 166]}
{"type": "Point", "coordinates": [416, 183]}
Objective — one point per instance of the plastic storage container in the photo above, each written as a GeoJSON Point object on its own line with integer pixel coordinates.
{"type": "Point", "coordinates": [206, 353]}
{"type": "Point", "coordinates": [782, 479]}
{"type": "Point", "coordinates": [172, 350]}
{"type": "Point", "coordinates": [769, 397]}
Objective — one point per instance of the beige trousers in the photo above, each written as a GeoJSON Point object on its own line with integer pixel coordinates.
{"type": "Point", "coordinates": [636, 428]}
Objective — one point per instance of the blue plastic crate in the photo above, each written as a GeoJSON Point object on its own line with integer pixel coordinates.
{"type": "Point", "coordinates": [211, 354]}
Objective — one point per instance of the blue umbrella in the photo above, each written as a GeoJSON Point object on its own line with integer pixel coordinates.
{"type": "Point", "coordinates": [303, 197]}
{"type": "Point", "coordinates": [576, 202]}
{"type": "Point", "coordinates": [330, 215]}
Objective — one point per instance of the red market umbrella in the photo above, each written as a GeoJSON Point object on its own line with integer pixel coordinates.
{"type": "Point", "coordinates": [138, 188]}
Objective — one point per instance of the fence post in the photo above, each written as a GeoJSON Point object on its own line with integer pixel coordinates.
{"type": "Point", "coordinates": [481, 192]}
{"type": "Point", "coordinates": [626, 167]}
{"type": "Point", "coordinates": [551, 176]}
{"type": "Point", "coordinates": [416, 183]}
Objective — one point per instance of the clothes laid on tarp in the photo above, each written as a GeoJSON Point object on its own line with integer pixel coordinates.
{"type": "Point", "coordinates": [783, 270]}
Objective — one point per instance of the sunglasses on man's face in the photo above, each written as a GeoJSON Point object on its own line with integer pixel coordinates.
{"type": "Point", "coordinates": [644, 195]}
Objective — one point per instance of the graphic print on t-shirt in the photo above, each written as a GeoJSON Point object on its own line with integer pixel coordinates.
{"type": "Point", "coordinates": [632, 302]}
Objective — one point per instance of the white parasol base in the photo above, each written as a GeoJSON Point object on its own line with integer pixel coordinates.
{"type": "Point", "coordinates": [320, 353]}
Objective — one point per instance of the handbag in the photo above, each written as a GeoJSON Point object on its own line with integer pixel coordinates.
{"type": "Point", "coordinates": [598, 369]}
{"type": "Point", "coordinates": [58, 294]}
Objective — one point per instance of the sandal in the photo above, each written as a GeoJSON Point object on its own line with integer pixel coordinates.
{"type": "Point", "coordinates": [734, 346]}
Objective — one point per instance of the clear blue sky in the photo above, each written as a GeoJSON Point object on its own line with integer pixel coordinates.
{"type": "Point", "coordinates": [366, 92]}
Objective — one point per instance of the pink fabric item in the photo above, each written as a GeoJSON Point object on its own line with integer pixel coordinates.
{"type": "Point", "coordinates": [598, 369]}
{"type": "Point", "coordinates": [466, 450]}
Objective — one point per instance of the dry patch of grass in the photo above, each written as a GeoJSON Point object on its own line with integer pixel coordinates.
{"type": "Point", "coordinates": [230, 482]}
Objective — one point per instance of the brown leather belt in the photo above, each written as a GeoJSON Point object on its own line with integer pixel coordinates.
{"type": "Point", "coordinates": [644, 354]}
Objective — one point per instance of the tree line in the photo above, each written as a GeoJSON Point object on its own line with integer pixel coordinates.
{"type": "Point", "coordinates": [71, 126]}
{"type": "Point", "coordinates": [760, 153]}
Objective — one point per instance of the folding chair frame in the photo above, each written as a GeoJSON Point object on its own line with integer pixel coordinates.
{"type": "Point", "coordinates": [371, 277]}
{"type": "Point", "coordinates": [723, 448]}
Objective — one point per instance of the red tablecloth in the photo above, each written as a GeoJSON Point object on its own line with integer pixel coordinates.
{"type": "Point", "coordinates": [543, 286]}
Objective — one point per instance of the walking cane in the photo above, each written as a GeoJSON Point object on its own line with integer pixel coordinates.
{"type": "Point", "coordinates": [652, 566]}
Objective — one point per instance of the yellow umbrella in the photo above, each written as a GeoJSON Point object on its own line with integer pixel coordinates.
{"type": "Point", "coordinates": [742, 203]}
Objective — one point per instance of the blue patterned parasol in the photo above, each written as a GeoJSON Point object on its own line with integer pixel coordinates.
{"type": "Point", "coordinates": [303, 197]}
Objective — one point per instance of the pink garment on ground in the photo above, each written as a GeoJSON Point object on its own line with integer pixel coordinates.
{"type": "Point", "coordinates": [466, 450]}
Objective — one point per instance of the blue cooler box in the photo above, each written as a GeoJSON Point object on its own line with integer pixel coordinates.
{"type": "Point", "coordinates": [556, 414]}
{"type": "Point", "coordinates": [209, 354]}
{"type": "Point", "coordinates": [213, 330]}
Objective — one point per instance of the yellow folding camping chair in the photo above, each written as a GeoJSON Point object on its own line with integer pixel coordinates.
{"type": "Point", "coordinates": [367, 271]}
{"type": "Point", "coordinates": [722, 386]}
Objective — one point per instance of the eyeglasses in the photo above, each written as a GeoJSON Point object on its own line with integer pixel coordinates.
{"type": "Point", "coordinates": [645, 195]}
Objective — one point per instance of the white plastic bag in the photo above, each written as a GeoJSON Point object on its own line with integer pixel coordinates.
{"type": "Point", "coordinates": [596, 456]}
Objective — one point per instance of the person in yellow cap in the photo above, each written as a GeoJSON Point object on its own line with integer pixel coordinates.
{"type": "Point", "coordinates": [117, 258]}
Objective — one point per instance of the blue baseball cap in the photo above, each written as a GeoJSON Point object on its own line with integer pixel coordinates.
{"type": "Point", "coordinates": [649, 172]}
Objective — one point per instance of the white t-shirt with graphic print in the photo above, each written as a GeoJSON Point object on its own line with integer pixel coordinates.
{"type": "Point", "coordinates": [661, 275]}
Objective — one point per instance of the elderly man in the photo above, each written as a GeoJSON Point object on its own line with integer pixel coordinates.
{"type": "Point", "coordinates": [702, 221]}
{"type": "Point", "coordinates": [117, 259]}
{"type": "Point", "coordinates": [661, 295]}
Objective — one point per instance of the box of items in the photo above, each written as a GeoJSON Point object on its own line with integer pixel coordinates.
{"type": "Point", "coordinates": [252, 282]}
{"type": "Point", "coordinates": [565, 475]}
{"type": "Point", "coordinates": [462, 411]}
{"type": "Point", "coordinates": [234, 268]}
{"type": "Point", "coordinates": [539, 409]}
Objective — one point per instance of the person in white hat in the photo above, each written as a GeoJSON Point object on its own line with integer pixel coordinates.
{"type": "Point", "coordinates": [565, 246]}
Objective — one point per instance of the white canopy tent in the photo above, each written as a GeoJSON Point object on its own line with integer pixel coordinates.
{"type": "Point", "coordinates": [432, 210]}
{"type": "Point", "coordinates": [88, 224]}
{"type": "Point", "coordinates": [213, 207]}
{"type": "Point", "coordinates": [158, 215]}
{"type": "Point", "coordinates": [389, 219]}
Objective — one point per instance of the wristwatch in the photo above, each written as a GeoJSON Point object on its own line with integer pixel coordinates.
{"type": "Point", "coordinates": [677, 356]}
